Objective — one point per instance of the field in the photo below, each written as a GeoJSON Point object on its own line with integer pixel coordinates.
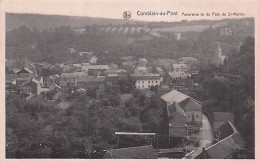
{"type": "Point", "coordinates": [157, 32]}
{"type": "Point", "coordinates": [187, 28]}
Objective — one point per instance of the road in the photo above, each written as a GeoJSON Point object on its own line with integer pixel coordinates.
{"type": "Point", "coordinates": [205, 135]}
{"type": "Point", "coordinates": [206, 132]}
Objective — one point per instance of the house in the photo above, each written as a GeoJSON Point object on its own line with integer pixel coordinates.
{"type": "Point", "coordinates": [91, 82]}
{"type": "Point", "coordinates": [177, 120]}
{"type": "Point", "coordinates": [69, 78]}
{"type": "Point", "coordinates": [230, 141]}
{"type": "Point", "coordinates": [193, 111]}
{"type": "Point", "coordinates": [31, 67]}
{"type": "Point", "coordinates": [39, 79]}
{"type": "Point", "coordinates": [220, 118]}
{"type": "Point", "coordinates": [94, 70]}
{"type": "Point", "coordinates": [140, 152]}
{"type": "Point", "coordinates": [146, 80]}
{"type": "Point", "coordinates": [47, 81]}
{"type": "Point", "coordinates": [54, 86]}
{"type": "Point", "coordinates": [24, 70]}
{"type": "Point", "coordinates": [115, 71]}
{"type": "Point", "coordinates": [31, 87]}
{"type": "Point", "coordinates": [113, 79]}
{"type": "Point", "coordinates": [20, 81]}
{"type": "Point", "coordinates": [191, 108]}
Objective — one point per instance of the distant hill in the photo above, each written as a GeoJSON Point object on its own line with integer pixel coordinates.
{"type": "Point", "coordinates": [14, 21]}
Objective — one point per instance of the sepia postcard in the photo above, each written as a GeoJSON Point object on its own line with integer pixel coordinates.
{"type": "Point", "coordinates": [166, 80]}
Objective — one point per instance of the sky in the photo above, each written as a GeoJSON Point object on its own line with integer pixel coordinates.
{"type": "Point", "coordinates": [115, 8]}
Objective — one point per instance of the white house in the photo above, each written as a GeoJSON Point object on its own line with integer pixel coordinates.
{"type": "Point", "coordinates": [146, 80]}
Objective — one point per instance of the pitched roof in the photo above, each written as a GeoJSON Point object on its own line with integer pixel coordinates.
{"type": "Point", "coordinates": [139, 75]}
{"type": "Point", "coordinates": [174, 96]}
{"type": "Point", "coordinates": [190, 105]}
{"type": "Point", "coordinates": [38, 78]}
{"type": "Point", "coordinates": [26, 75]}
{"type": "Point", "coordinates": [95, 67]}
{"type": "Point", "coordinates": [175, 107]}
{"type": "Point", "coordinates": [225, 147]}
{"type": "Point", "coordinates": [140, 152]}
{"type": "Point", "coordinates": [91, 79]}
{"type": "Point", "coordinates": [68, 75]}
{"type": "Point", "coordinates": [25, 69]}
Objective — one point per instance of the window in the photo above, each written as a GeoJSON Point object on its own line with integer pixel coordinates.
{"type": "Point", "coordinates": [143, 81]}
{"type": "Point", "coordinates": [152, 81]}
{"type": "Point", "coordinates": [138, 87]}
{"type": "Point", "coordinates": [177, 115]}
{"type": "Point", "coordinates": [188, 116]}
{"type": "Point", "coordinates": [149, 86]}
{"type": "Point", "coordinates": [156, 81]}
{"type": "Point", "coordinates": [148, 81]}
{"type": "Point", "coordinates": [197, 116]}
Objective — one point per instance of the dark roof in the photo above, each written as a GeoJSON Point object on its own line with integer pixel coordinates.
{"type": "Point", "coordinates": [140, 152]}
{"type": "Point", "coordinates": [139, 75]}
{"type": "Point", "coordinates": [173, 108]}
{"type": "Point", "coordinates": [225, 147]}
{"type": "Point", "coordinates": [25, 70]}
{"type": "Point", "coordinates": [190, 105]}
{"type": "Point", "coordinates": [26, 75]}
{"type": "Point", "coordinates": [68, 75]}
{"type": "Point", "coordinates": [91, 79]}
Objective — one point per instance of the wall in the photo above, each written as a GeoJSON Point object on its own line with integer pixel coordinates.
{"type": "Point", "coordinates": [197, 116]}
{"type": "Point", "coordinates": [144, 84]}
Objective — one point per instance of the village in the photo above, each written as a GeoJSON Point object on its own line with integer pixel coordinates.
{"type": "Point", "coordinates": [191, 131]}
